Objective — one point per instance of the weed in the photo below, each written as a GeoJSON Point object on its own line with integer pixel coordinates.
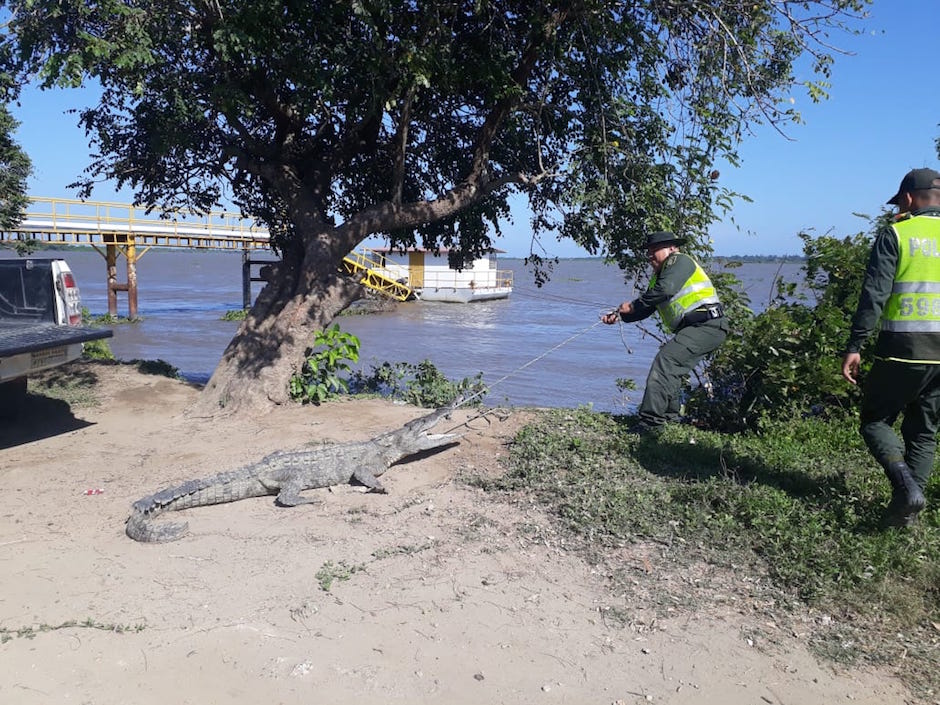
{"type": "Point", "coordinates": [407, 550]}
{"type": "Point", "coordinates": [96, 349]}
{"type": "Point", "coordinates": [331, 571]}
{"type": "Point", "coordinates": [420, 385]}
{"type": "Point", "coordinates": [355, 515]}
{"type": "Point", "coordinates": [30, 632]}
{"type": "Point", "coordinates": [157, 367]}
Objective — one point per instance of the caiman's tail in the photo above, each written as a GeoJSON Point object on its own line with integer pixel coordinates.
{"type": "Point", "coordinates": [141, 527]}
{"type": "Point", "coordinates": [224, 487]}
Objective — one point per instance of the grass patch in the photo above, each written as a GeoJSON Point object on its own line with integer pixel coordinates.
{"type": "Point", "coordinates": [73, 384]}
{"type": "Point", "coordinates": [800, 503]}
{"type": "Point", "coordinates": [76, 383]}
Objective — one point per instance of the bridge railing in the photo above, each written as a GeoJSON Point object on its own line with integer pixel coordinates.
{"type": "Point", "coordinates": [77, 222]}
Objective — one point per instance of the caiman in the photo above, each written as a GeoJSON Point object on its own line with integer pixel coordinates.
{"type": "Point", "coordinates": [288, 473]}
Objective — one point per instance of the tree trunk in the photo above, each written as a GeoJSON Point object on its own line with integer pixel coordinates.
{"type": "Point", "coordinates": [302, 295]}
{"type": "Point", "coordinates": [305, 291]}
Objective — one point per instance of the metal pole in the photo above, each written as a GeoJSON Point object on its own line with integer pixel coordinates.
{"type": "Point", "coordinates": [246, 279]}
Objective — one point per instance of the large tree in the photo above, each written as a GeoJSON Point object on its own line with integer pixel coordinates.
{"type": "Point", "coordinates": [417, 120]}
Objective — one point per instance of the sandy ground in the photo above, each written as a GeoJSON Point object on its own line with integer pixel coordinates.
{"type": "Point", "coordinates": [451, 596]}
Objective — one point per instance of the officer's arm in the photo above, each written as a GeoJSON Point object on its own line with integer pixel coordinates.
{"type": "Point", "coordinates": [876, 287]}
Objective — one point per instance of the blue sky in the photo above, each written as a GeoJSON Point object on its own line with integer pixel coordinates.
{"type": "Point", "coordinates": [847, 158]}
{"type": "Point", "coordinates": [853, 149]}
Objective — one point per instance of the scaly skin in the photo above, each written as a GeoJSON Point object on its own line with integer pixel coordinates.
{"type": "Point", "coordinates": [287, 474]}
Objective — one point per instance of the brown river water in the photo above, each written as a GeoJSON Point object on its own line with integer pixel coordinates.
{"type": "Point", "coordinates": [541, 347]}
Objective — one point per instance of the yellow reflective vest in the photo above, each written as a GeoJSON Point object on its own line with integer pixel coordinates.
{"type": "Point", "coordinates": [910, 322]}
{"type": "Point", "coordinates": [697, 291]}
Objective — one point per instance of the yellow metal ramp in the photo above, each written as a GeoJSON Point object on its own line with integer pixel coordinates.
{"type": "Point", "coordinates": [368, 267]}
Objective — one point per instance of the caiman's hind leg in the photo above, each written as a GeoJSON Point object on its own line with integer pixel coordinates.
{"type": "Point", "coordinates": [289, 496]}
{"type": "Point", "coordinates": [366, 477]}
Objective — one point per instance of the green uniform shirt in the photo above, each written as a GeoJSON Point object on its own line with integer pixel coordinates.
{"type": "Point", "coordinates": [675, 272]}
{"type": "Point", "coordinates": [877, 286]}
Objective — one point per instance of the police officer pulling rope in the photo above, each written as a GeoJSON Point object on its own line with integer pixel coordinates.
{"type": "Point", "coordinates": [686, 300]}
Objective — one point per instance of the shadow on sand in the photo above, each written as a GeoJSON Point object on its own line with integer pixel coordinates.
{"type": "Point", "coordinates": [39, 417]}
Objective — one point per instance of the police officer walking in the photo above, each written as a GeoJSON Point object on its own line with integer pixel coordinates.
{"type": "Point", "coordinates": [686, 300]}
{"type": "Point", "coordinates": [902, 290]}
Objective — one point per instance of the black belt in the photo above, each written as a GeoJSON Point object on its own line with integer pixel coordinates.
{"type": "Point", "coordinates": [700, 315]}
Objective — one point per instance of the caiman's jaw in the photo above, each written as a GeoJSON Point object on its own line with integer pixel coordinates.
{"type": "Point", "coordinates": [423, 424]}
{"type": "Point", "coordinates": [434, 440]}
{"type": "Point", "coordinates": [440, 436]}
{"type": "Point", "coordinates": [414, 437]}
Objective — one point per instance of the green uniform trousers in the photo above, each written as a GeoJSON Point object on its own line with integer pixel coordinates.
{"type": "Point", "coordinates": [894, 388]}
{"type": "Point", "coordinates": [672, 365]}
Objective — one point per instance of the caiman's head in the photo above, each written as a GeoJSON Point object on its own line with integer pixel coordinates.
{"type": "Point", "coordinates": [413, 437]}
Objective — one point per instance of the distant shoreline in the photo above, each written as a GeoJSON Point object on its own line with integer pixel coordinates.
{"type": "Point", "coordinates": [44, 247]}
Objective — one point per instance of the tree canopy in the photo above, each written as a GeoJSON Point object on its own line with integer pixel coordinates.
{"type": "Point", "coordinates": [333, 121]}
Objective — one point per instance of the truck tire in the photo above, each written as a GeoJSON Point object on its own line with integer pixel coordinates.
{"type": "Point", "coordinates": [12, 396]}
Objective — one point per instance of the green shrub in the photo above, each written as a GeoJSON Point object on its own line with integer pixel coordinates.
{"type": "Point", "coordinates": [787, 360]}
{"type": "Point", "coordinates": [421, 385]}
{"type": "Point", "coordinates": [95, 349]}
{"type": "Point", "coordinates": [318, 379]}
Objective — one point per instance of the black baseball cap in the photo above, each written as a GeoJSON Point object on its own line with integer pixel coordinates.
{"type": "Point", "coordinates": [916, 180]}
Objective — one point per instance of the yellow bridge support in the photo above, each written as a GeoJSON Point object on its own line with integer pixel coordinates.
{"type": "Point", "coordinates": [367, 265]}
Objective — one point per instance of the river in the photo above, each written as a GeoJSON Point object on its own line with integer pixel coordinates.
{"type": "Point", "coordinates": [541, 347]}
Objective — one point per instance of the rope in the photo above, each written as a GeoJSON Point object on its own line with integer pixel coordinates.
{"type": "Point", "coordinates": [542, 295]}
{"type": "Point", "coordinates": [519, 369]}
{"type": "Point", "coordinates": [534, 360]}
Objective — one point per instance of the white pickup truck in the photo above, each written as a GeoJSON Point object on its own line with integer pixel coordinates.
{"type": "Point", "coordinates": [40, 323]}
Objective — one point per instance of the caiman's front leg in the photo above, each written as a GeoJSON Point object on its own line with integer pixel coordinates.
{"type": "Point", "coordinates": [366, 477]}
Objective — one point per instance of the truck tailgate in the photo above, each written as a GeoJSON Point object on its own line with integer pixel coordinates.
{"type": "Point", "coordinates": [17, 338]}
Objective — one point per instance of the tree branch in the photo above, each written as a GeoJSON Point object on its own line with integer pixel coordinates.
{"type": "Point", "coordinates": [401, 146]}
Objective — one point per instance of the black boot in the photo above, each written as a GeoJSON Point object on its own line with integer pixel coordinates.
{"type": "Point", "coordinates": [906, 497]}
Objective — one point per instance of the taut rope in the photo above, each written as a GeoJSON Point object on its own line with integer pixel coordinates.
{"type": "Point", "coordinates": [522, 367]}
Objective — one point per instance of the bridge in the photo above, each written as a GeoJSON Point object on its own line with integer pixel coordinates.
{"type": "Point", "coordinates": [114, 229]}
